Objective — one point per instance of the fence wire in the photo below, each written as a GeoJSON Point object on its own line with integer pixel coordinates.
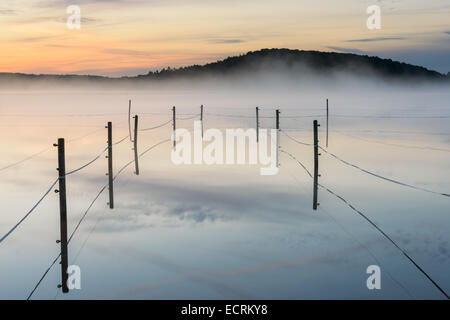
{"type": "Point", "coordinates": [359, 212]}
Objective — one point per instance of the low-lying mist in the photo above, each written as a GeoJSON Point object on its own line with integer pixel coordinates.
{"type": "Point", "coordinates": [267, 69]}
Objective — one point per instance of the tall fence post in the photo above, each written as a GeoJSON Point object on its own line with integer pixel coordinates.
{"type": "Point", "coordinates": [327, 123]}
{"type": "Point", "coordinates": [129, 118]}
{"type": "Point", "coordinates": [62, 214]}
{"type": "Point", "coordinates": [201, 117]}
{"type": "Point", "coordinates": [277, 123]}
{"type": "Point", "coordinates": [110, 167]}
{"type": "Point", "coordinates": [136, 158]}
{"type": "Point", "coordinates": [316, 164]}
{"type": "Point", "coordinates": [174, 127]}
{"type": "Point", "coordinates": [257, 124]}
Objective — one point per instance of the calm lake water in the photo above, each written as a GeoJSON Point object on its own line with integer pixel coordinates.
{"type": "Point", "coordinates": [222, 231]}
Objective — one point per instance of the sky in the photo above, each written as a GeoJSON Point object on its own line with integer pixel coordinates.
{"type": "Point", "coordinates": [130, 37]}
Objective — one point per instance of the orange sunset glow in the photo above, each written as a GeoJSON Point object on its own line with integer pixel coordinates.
{"type": "Point", "coordinates": [131, 37]}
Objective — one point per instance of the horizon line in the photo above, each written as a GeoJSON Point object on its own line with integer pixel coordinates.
{"type": "Point", "coordinates": [218, 60]}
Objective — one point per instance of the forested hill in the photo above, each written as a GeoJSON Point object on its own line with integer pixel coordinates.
{"type": "Point", "coordinates": [292, 61]}
{"type": "Point", "coordinates": [295, 63]}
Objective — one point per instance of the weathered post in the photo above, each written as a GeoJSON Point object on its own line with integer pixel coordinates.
{"type": "Point", "coordinates": [136, 157]}
{"type": "Point", "coordinates": [129, 118]}
{"type": "Point", "coordinates": [62, 214]}
{"type": "Point", "coordinates": [316, 164]}
{"type": "Point", "coordinates": [327, 123]}
{"type": "Point", "coordinates": [277, 113]}
{"type": "Point", "coordinates": [110, 167]}
{"type": "Point", "coordinates": [277, 116]}
{"type": "Point", "coordinates": [174, 127]}
{"type": "Point", "coordinates": [257, 124]}
{"type": "Point", "coordinates": [201, 117]}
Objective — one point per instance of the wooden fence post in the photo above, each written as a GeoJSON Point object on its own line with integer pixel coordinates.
{"type": "Point", "coordinates": [277, 116]}
{"type": "Point", "coordinates": [257, 124]}
{"type": "Point", "coordinates": [129, 118]}
{"type": "Point", "coordinates": [110, 167]}
{"type": "Point", "coordinates": [327, 123]}
{"type": "Point", "coordinates": [174, 127]}
{"type": "Point", "coordinates": [201, 117]}
{"type": "Point", "coordinates": [316, 164]}
{"type": "Point", "coordinates": [62, 214]}
{"type": "Point", "coordinates": [136, 157]}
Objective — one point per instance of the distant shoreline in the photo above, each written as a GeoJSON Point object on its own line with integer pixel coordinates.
{"type": "Point", "coordinates": [284, 61]}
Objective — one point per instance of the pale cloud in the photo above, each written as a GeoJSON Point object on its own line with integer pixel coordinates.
{"type": "Point", "coordinates": [376, 39]}
{"type": "Point", "coordinates": [346, 50]}
{"type": "Point", "coordinates": [227, 41]}
{"type": "Point", "coordinates": [128, 52]}
{"type": "Point", "coordinates": [8, 12]}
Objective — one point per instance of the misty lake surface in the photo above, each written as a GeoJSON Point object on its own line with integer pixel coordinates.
{"type": "Point", "coordinates": [225, 231]}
